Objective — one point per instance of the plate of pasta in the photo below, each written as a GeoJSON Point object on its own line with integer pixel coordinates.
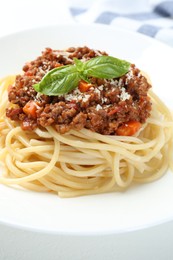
{"type": "Point", "coordinates": [86, 130]}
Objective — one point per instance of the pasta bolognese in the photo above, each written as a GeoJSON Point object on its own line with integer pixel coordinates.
{"type": "Point", "coordinates": [98, 130]}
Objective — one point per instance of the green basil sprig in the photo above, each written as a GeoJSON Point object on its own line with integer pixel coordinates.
{"type": "Point", "coordinates": [64, 79]}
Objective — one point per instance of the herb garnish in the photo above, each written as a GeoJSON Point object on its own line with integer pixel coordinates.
{"type": "Point", "coordinates": [63, 79]}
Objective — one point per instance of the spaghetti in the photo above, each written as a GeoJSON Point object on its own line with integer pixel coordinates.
{"type": "Point", "coordinates": [83, 162]}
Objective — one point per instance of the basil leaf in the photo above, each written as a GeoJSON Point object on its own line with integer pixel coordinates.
{"type": "Point", "coordinates": [106, 67]}
{"type": "Point", "coordinates": [64, 79]}
{"type": "Point", "coordinates": [79, 64]}
{"type": "Point", "coordinates": [58, 81]}
{"type": "Point", "coordinates": [84, 77]}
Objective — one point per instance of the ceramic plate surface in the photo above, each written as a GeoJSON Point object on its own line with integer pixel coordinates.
{"type": "Point", "coordinates": [140, 206]}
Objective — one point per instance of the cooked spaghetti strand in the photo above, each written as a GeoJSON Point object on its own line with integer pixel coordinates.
{"type": "Point", "coordinates": [83, 162]}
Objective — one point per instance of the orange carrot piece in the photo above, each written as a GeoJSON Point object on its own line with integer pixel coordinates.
{"type": "Point", "coordinates": [84, 86]}
{"type": "Point", "coordinates": [30, 109]}
{"type": "Point", "coordinates": [56, 65]}
{"type": "Point", "coordinates": [129, 128]}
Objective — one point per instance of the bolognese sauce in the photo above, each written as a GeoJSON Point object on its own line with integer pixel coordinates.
{"type": "Point", "coordinates": [115, 106]}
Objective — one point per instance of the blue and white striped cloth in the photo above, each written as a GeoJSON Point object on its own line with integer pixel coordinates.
{"type": "Point", "coordinates": [150, 17]}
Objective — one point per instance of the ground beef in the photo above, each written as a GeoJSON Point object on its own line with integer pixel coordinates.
{"type": "Point", "coordinates": [103, 108]}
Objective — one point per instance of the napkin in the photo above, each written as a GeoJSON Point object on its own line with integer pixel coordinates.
{"type": "Point", "coordinates": [150, 17]}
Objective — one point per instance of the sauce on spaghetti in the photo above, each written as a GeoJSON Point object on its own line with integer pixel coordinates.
{"type": "Point", "coordinates": [109, 107]}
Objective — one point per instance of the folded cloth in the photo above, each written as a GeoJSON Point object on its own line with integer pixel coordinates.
{"type": "Point", "coordinates": [150, 17]}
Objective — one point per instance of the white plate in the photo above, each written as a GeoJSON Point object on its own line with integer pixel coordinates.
{"type": "Point", "coordinates": [139, 207]}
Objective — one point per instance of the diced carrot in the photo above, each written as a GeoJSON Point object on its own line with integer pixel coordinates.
{"type": "Point", "coordinates": [129, 128]}
{"type": "Point", "coordinates": [56, 65]}
{"type": "Point", "coordinates": [30, 108]}
{"type": "Point", "coordinates": [84, 86]}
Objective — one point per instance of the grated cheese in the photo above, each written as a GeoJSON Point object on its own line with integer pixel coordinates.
{"type": "Point", "coordinates": [101, 88]}
{"type": "Point", "coordinates": [98, 107]}
{"type": "Point", "coordinates": [104, 99]}
{"type": "Point", "coordinates": [97, 91]}
{"type": "Point", "coordinates": [120, 83]}
{"type": "Point", "coordinates": [124, 95]}
{"type": "Point", "coordinates": [114, 82]}
{"type": "Point", "coordinates": [129, 76]}
{"type": "Point", "coordinates": [85, 98]}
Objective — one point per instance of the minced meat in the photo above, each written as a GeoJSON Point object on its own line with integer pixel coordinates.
{"type": "Point", "coordinates": [103, 108]}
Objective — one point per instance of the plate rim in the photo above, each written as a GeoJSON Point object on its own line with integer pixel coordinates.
{"type": "Point", "coordinates": [146, 38]}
